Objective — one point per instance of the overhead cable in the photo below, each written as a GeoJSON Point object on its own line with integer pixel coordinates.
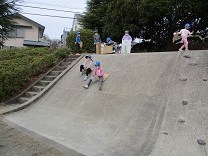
{"type": "Point", "coordinates": [48, 4]}
{"type": "Point", "coordinates": [47, 8]}
{"type": "Point", "coordinates": [49, 15]}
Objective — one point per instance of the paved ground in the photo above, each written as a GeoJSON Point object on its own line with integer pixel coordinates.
{"type": "Point", "coordinates": [13, 142]}
{"type": "Point", "coordinates": [137, 112]}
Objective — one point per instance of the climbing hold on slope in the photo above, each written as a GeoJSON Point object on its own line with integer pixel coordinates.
{"type": "Point", "coordinates": [201, 142]}
{"type": "Point", "coordinates": [184, 102]}
{"type": "Point", "coordinates": [181, 120]}
{"type": "Point", "coordinates": [183, 79]}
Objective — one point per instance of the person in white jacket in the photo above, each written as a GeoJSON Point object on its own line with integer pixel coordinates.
{"type": "Point", "coordinates": [86, 67]}
{"type": "Point", "coordinates": [184, 34]}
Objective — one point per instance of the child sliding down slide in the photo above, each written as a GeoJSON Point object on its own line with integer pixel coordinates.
{"type": "Point", "coordinates": [97, 75]}
{"type": "Point", "coordinates": [86, 67]}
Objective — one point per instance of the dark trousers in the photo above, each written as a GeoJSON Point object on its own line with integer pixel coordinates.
{"type": "Point", "coordinates": [87, 71]}
{"type": "Point", "coordinates": [77, 48]}
{"type": "Point", "coordinates": [95, 48]}
{"type": "Point", "coordinates": [100, 81]}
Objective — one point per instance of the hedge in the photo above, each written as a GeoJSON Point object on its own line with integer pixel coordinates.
{"type": "Point", "coordinates": [86, 36]}
{"type": "Point", "coordinates": [145, 47]}
{"type": "Point", "coordinates": [19, 53]}
{"type": "Point", "coordinates": [17, 66]}
{"type": "Point", "coordinates": [206, 39]}
{"type": "Point", "coordinates": [62, 52]}
{"type": "Point", "coordinates": [11, 81]}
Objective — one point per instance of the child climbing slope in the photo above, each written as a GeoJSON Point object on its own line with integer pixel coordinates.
{"type": "Point", "coordinates": [184, 34]}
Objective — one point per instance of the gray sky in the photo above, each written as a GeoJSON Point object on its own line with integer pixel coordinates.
{"type": "Point", "coordinates": [53, 26]}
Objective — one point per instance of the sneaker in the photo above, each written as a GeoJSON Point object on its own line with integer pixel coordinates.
{"type": "Point", "coordinates": [85, 78]}
{"type": "Point", "coordinates": [186, 50]}
{"type": "Point", "coordinates": [85, 86]}
{"type": "Point", "coordinates": [180, 49]}
{"type": "Point", "coordinates": [100, 87]}
{"type": "Point", "coordinates": [80, 74]}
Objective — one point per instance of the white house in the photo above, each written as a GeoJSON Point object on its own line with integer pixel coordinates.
{"type": "Point", "coordinates": [76, 25]}
{"type": "Point", "coordinates": [64, 36]}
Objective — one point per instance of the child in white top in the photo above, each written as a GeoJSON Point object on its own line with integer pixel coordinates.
{"type": "Point", "coordinates": [184, 34]}
{"type": "Point", "coordinates": [87, 66]}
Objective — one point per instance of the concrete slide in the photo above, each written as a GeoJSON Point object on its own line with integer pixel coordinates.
{"type": "Point", "coordinates": [152, 104]}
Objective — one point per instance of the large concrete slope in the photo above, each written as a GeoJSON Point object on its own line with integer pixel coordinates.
{"type": "Point", "coordinates": [135, 114]}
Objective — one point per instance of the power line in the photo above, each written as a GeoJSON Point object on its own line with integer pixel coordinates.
{"type": "Point", "coordinates": [49, 15]}
{"type": "Point", "coordinates": [48, 9]}
{"type": "Point", "coordinates": [48, 4]}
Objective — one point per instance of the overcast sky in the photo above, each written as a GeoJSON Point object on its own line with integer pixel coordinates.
{"type": "Point", "coordinates": [53, 26]}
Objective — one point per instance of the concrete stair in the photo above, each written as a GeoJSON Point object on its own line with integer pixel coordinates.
{"type": "Point", "coordinates": [30, 94]}
{"type": "Point", "coordinates": [49, 78]}
{"type": "Point", "coordinates": [22, 100]}
{"type": "Point", "coordinates": [60, 68]}
{"type": "Point", "coordinates": [37, 88]}
{"type": "Point", "coordinates": [43, 82]}
{"type": "Point", "coordinates": [55, 73]}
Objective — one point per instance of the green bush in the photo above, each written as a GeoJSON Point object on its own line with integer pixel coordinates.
{"type": "Point", "coordinates": [206, 39]}
{"type": "Point", "coordinates": [19, 53]}
{"type": "Point", "coordinates": [62, 52]}
{"type": "Point", "coordinates": [18, 65]}
{"type": "Point", "coordinates": [86, 36]}
{"type": "Point", "coordinates": [195, 39]}
{"type": "Point", "coordinates": [39, 64]}
{"type": "Point", "coordinates": [145, 47]}
{"type": "Point", "coordinates": [11, 81]}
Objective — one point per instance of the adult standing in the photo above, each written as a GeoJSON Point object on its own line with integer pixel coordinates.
{"type": "Point", "coordinates": [97, 42]}
{"type": "Point", "coordinates": [78, 41]}
{"type": "Point", "coordinates": [126, 43]}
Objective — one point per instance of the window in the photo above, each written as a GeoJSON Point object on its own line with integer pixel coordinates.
{"type": "Point", "coordinates": [17, 32]}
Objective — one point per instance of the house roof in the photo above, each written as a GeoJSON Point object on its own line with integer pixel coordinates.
{"type": "Point", "coordinates": [36, 43]}
{"type": "Point", "coordinates": [41, 27]}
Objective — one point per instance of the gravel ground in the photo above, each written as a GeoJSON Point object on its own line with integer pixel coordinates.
{"type": "Point", "coordinates": [13, 142]}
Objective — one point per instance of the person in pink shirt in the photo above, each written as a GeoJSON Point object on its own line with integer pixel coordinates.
{"type": "Point", "coordinates": [184, 34]}
{"type": "Point", "coordinates": [97, 75]}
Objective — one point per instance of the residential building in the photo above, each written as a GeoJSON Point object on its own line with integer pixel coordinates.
{"type": "Point", "coordinates": [66, 32]}
{"type": "Point", "coordinates": [76, 24]}
{"type": "Point", "coordinates": [26, 33]}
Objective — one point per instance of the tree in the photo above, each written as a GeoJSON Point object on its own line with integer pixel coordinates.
{"type": "Point", "coordinates": [153, 19]}
{"type": "Point", "coordinates": [7, 13]}
{"type": "Point", "coordinates": [94, 17]}
{"type": "Point", "coordinates": [122, 15]}
{"type": "Point", "coordinates": [161, 18]}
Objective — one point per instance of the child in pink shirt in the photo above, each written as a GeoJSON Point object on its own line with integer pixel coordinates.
{"type": "Point", "coordinates": [184, 34]}
{"type": "Point", "coordinates": [97, 75]}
